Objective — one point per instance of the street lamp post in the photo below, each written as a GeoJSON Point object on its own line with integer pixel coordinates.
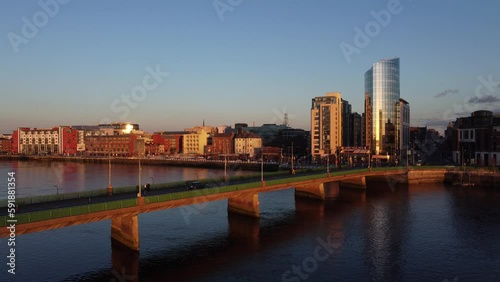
{"type": "Point", "coordinates": [57, 189]}
{"type": "Point", "coordinates": [328, 164]}
{"type": "Point", "coordinates": [369, 159]}
{"type": "Point", "coordinates": [262, 183]}
{"type": "Point", "coordinates": [225, 163]}
{"type": "Point", "coordinates": [407, 151]}
{"type": "Point", "coordinates": [139, 195]}
{"type": "Point", "coordinates": [110, 187]}
{"type": "Point", "coordinates": [152, 180]}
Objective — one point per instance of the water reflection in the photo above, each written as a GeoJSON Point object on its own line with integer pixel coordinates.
{"type": "Point", "coordinates": [475, 221]}
{"type": "Point", "coordinates": [386, 224]}
{"type": "Point", "coordinates": [244, 231]}
{"type": "Point", "coordinates": [36, 178]}
{"type": "Point", "coordinates": [125, 263]}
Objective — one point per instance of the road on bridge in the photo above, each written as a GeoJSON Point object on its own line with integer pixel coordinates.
{"type": "Point", "coordinates": [115, 197]}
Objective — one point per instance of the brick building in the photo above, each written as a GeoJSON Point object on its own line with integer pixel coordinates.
{"type": "Point", "coordinates": [5, 144]}
{"type": "Point", "coordinates": [125, 145]}
{"type": "Point", "coordinates": [167, 143]}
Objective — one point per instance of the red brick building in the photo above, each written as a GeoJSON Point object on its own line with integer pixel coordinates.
{"type": "Point", "coordinates": [124, 145]}
{"type": "Point", "coordinates": [166, 143]}
{"type": "Point", "coordinates": [69, 140]}
{"type": "Point", "coordinates": [223, 143]}
{"type": "Point", "coordinates": [5, 145]}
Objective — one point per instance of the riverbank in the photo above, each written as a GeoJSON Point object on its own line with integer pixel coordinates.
{"type": "Point", "coordinates": [230, 165]}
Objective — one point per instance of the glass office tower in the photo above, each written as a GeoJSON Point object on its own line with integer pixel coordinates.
{"type": "Point", "coordinates": [382, 87]}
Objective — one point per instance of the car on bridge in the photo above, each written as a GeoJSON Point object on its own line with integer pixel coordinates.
{"type": "Point", "coordinates": [193, 185]}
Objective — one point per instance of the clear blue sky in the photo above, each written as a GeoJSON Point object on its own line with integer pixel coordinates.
{"type": "Point", "coordinates": [262, 58]}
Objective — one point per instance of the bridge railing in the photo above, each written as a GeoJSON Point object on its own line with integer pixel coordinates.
{"type": "Point", "coordinates": [68, 211]}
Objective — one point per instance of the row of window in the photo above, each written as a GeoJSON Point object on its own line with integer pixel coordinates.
{"type": "Point", "coordinates": [38, 133]}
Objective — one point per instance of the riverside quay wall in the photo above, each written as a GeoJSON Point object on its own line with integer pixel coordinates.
{"type": "Point", "coordinates": [481, 178]}
{"type": "Point", "coordinates": [422, 175]}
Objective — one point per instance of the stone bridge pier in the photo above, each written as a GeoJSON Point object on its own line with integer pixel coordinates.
{"type": "Point", "coordinates": [358, 183]}
{"type": "Point", "coordinates": [244, 203]}
{"type": "Point", "coordinates": [125, 231]}
{"type": "Point", "coordinates": [321, 191]}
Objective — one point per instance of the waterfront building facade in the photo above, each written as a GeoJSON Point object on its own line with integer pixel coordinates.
{"type": "Point", "coordinates": [222, 143]}
{"type": "Point", "coordinates": [5, 144]}
{"type": "Point", "coordinates": [167, 143]}
{"type": "Point", "coordinates": [326, 125]}
{"type": "Point", "coordinates": [124, 145]}
{"type": "Point", "coordinates": [194, 143]}
{"type": "Point", "coordinates": [475, 140]}
{"type": "Point", "coordinates": [247, 144]}
{"type": "Point", "coordinates": [60, 140]}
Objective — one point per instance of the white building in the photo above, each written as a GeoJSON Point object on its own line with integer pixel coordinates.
{"type": "Point", "coordinates": [247, 144]}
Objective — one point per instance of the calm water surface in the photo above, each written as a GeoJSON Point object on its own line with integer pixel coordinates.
{"type": "Point", "coordinates": [40, 177]}
{"type": "Point", "coordinates": [416, 233]}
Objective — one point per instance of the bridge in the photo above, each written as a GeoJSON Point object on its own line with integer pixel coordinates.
{"type": "Point", "coordinates": [242, 198]}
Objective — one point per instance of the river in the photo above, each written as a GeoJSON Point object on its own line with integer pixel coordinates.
{"type": "Point", "coordinates": [415, 233]}
{"type": "Point", "coordinates": [35, 178]}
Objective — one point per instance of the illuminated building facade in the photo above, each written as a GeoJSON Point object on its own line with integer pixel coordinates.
{"type": "Point", "coordinates": [387, 115]}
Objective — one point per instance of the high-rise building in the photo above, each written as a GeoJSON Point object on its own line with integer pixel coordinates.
{"type": "Point", "coordinates": [346, 124]}
{"type": "Point", "coordinates": [326, 125]}
{"type": "Point", "coordinates": [387, 115]}
{"type": "Point", "coordinates": [367, 123]}
{"type": "Point", "coordinates": [356, 130]}
{"type": "Point", "coordinates": [404, 129]}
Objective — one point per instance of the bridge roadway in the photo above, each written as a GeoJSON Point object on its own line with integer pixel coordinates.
{"type": "Point", "coordinates": [130, 195]}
